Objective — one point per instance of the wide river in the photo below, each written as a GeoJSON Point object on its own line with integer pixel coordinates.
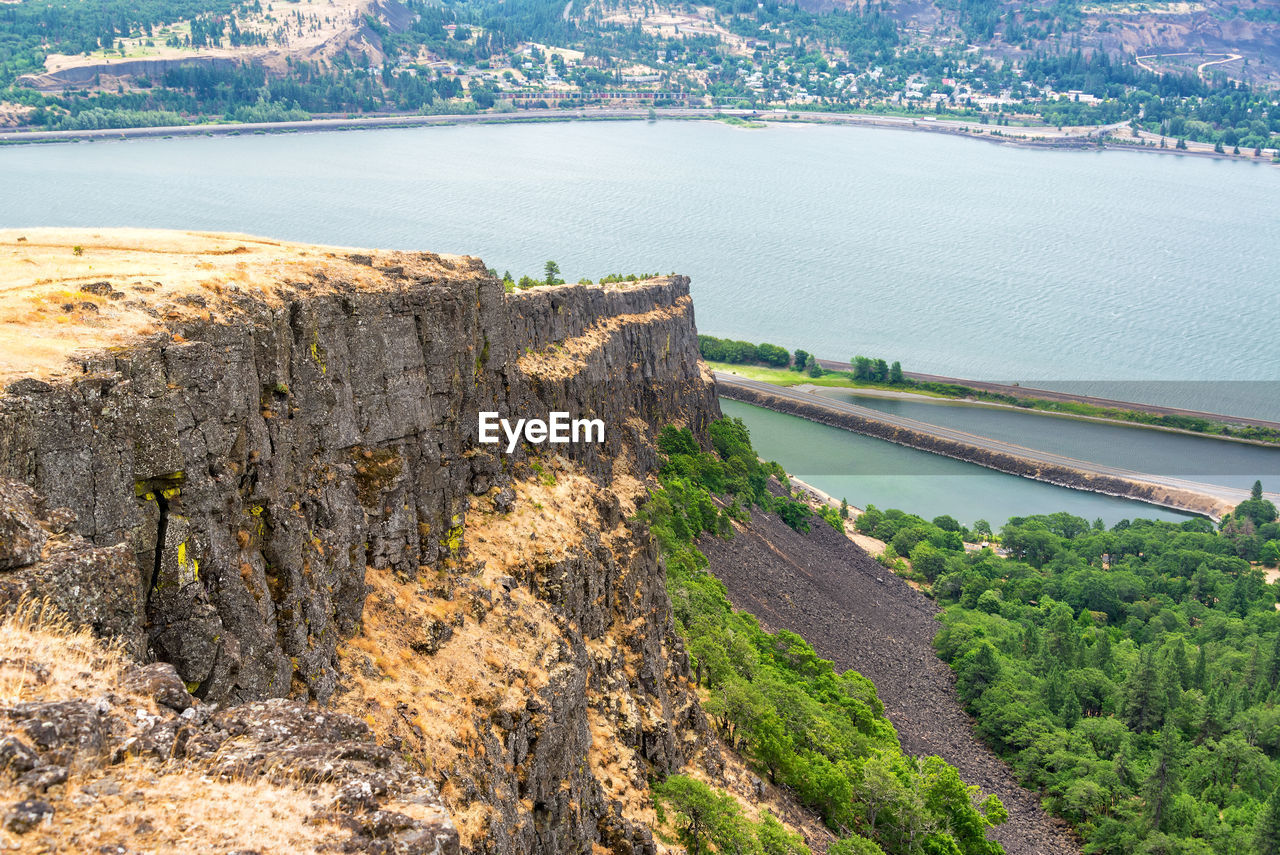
{"type": "Point", "coordinates": [952, 255]}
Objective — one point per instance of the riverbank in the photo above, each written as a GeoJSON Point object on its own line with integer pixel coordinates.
{"type": "Point", "coordinates": [1041, 402]}
{"type": "Point", "coordinates": [1072, 138]}
{"type": "Point", "coordinates": [1177, 494]}
{"type": "Point", "coordinates": [1043, 137]}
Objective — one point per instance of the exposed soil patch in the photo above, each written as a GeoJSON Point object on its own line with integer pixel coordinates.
{"type": "Point", "coordinates": [861, 616]}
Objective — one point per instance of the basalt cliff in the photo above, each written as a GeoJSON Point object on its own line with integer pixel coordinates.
{"type": "Point", "coordinates": [251, 469]}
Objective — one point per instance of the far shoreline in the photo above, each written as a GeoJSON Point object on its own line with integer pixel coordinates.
{"type": "Point", "coordinates": [1091, 138]}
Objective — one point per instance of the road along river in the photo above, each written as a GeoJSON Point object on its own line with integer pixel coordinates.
{"type": "Point", "coordinates": [1211, 500]}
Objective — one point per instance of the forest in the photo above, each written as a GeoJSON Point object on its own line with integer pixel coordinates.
{"type": "Point", "coordinates": [1131, 675]}
{"type": "Point", "coordinates": [820, 733]}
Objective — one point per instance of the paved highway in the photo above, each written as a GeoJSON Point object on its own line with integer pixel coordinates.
{"type": "Point", "coordinates": [1048, 135]}
{"type": "Point", "coordinates": [1050, 395]}
{"type": "Point", "coordinates": [981, 442]}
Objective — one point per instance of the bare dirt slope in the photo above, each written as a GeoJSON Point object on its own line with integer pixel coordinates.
{"type": "Point", "coordinates": [859, 615]}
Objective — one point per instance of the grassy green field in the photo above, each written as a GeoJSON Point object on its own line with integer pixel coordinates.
{"type": "Point", "coordinates": [786, 377]}
{"type": "Point", "coordinates": [1202, 427]}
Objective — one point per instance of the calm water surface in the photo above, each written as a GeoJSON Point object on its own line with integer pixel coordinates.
{"type": "Point", "coordinates": [951, 255]}
{"type": "Point", "coordinates": [1211, 461]}
{"type": "Point", "coordinates": [865, 471]}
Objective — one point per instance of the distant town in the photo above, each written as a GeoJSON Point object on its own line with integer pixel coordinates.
{"type": "Point", "coordinates": [174, 62]}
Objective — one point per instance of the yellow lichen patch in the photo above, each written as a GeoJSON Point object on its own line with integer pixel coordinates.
{"type": "Point", "coordinates": [65, 290]}
{"type": "Point", "coordinates": [566, 358]}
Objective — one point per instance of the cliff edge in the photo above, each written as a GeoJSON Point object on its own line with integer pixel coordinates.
{"type": "Point", "coordinates": [257, 464]}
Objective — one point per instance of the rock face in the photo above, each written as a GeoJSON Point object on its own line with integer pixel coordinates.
{"type": "Point", "coordinates": [577, 687]}
{"type": "Point", "coordinates": [255, 465]}
{"type": "Point", "coordinates": [377, 804]}
{"type": "Point", "coordinates": [41, 557]}
{"type": "Point", "coordinates": [264, 472]}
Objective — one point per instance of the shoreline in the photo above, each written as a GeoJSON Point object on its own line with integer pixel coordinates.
{"type": "Point", "coordinates": [974, 402]}
{"type": "Point", "coordinates": [1184, 497]}
{"type": "Point", "coordinates": [1086, 138]}
{"type": "Point", "coordinates": [1030, 393]}
{"type": "Point", "coordinates": [1034, 393]}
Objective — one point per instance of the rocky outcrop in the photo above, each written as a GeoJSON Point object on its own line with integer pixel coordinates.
{"type": "Point", "coordinates": [63, 758]}
{"type": "Point", "coordinates": [256, 464]}
{"type": "Point", "coordinates": [275, 488]}
{"type": "Point", "coordinates": [550, 658]}
{"type": "Point", "coordinates": [41, 558]}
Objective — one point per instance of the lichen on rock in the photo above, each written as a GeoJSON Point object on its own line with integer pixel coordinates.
{"type": "Point", "coordinates": [268, 482]}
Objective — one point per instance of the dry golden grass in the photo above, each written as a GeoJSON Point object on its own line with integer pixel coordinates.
{"type": "Point", "coordinates": [618, 769]}
{"type": "Point", "coordinates": [179, 812]}
{"type": "Point", "coordinates": [436, 702]}
{"type": "Point", "coordinates": [432, 702]}
{"type": "Point", "coordinates": [45, 317]}
{"type": "Point", "coordinates": [42, 657]}
{"type": "Point", "coordinates": [566, 358]}
{"type": "Point", "coordinates": [140, 805]}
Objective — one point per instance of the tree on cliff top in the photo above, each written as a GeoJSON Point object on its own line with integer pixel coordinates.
{"type": "Point", "coordinates": [553, 273]}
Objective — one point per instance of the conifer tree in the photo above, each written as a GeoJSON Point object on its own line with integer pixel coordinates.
{"type": "Point", "coordinates": [1162, 782]}
{"type": "Point", "coordinates": [1266, 839]}
{"type": "Point", "coordinates": [1199, 675]}
{"type": "Point", "coordinates": [1144, 698]}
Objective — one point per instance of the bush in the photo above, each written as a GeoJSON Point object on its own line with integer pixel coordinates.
{"type": "Point", "coordinates": [794, 513]}
{"type": "Point", "coordinates": [773, 355]}
{"type": "Point", "coordinates": [794, 717]}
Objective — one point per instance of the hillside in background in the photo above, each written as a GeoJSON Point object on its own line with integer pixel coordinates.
{"type": "Point", "coordinates": [1171, 71]}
